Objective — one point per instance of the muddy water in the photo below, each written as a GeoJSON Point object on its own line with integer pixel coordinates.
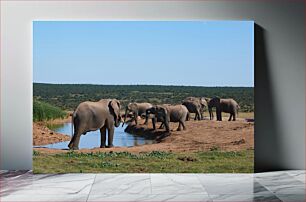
{"type": "Point", "coordinates": [92, 139]}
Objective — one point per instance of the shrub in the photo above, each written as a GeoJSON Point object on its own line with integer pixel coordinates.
{"type": "Point", "coordinates": [43, 111]}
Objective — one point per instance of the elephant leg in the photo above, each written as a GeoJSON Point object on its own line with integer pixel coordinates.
{"type": "Point", "coordinates": [183, 124]}
{"type": "Point", "coordinates": [161, 125]}
{"type": "Point", "coordinates": [211, 114]}
{"type": "Point", "coordinates": [110, 136]}
{"type": "Point", "coordinates": [179, 127]}
{"type": "Point", "coordinates": [167, 127]}
{"type": "Point", "coordinates": [199, 115]}
{"type": "Point", "coordinates": [219, 115]}
{"type": "Point", "coordinates": [234, 117]}
{"type": "Point", "coordinates": [103, 137]}
{"type": "Point", "coordinates": [146, 121]}
{"type": "Point", "coordinates": [230, 118]}
{"type": "Point", "coordinates": [75, 133]}
{"type": "Point", "coordinates": [76, 141]}
{"type": "Point", "coordinates": [153, 123]}
{"type": "Point", "coordinates": [71, 143]}
{"type": "Point", "coordinates": [135, 118]}
{"type": "Point", "coordinates": [188, 116]}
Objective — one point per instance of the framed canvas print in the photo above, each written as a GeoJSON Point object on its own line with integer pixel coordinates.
{"type": "Point", "coordinates": [143, 96]}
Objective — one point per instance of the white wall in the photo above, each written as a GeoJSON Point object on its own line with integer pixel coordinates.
{"type": "Point", "coordinates": [279, 67]}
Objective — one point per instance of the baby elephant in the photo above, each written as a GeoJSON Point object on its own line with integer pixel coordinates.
{"type": "Point", "coordinates": [172, 113]}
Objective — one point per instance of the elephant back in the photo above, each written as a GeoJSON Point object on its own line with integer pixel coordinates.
{"type": "Point", "coordinates": [192, 105]}
{"type": "Point", "coordinates": [177, 112]}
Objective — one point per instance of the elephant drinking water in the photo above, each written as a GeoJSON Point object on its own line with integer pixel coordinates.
{"type": "Point", "coordinates": [90, 116]}
{"type": "Point", "coordinates": [137, 109]}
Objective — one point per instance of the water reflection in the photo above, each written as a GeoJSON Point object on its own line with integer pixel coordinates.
{"type": "Point", "coordinates": [92, 139]}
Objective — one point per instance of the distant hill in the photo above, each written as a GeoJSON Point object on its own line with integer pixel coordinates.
{"type": "Point", "coordinates": [68, 96]}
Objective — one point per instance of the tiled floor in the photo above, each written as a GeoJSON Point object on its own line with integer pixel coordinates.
{"type": "Point", "coordinates": [272, 186]}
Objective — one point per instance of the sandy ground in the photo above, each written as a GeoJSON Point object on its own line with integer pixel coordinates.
{"type": "Point", "coordinates": [42, 135]}
{"type": "Point", "coordinates": [204, 135]}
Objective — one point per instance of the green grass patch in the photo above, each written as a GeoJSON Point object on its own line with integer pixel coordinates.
{"type": "Point", "coordinates": [43, 111]}
{"type": "Point", "coordinates": [152, 162]}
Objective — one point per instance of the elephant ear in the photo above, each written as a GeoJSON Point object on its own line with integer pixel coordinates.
{"type": "Point", "coordinates": [216, 99]}
{"type": "Point", "coordinates": [160, 111]}
{"type": "Point", "coordinates": [114, 105]}
{"type": "Point", "coordinates": [165, 111]}
{"type": "Point", "coordinates": [133, 106]}
{"type": "Point", "coordinates": [203, 102]}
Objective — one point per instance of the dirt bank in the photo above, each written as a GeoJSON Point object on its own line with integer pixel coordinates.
{"type": "Point", "coordinates": [202, 135]}
{"type": "Point", "coordinates": [42, 135]}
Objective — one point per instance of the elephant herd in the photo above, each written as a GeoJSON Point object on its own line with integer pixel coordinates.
{"type": "Point", "coordinates": [105, 115]}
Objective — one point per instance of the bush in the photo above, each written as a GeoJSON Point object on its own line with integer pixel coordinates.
{"type": "Point", "coordinates": [69, 96]}
{"type": "Point", "coordinates": [43, 111]}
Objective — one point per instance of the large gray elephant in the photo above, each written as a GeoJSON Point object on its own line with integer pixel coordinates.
{"type": "Point", "coordinates": [224, 105]}
{"type": "Point", "coordinates": [136, 109]}
{"type": "Point", "coordinates": [90, 116]}
{"type": "Point", "coordinates": [196, 105]}
{"type": "Point", "coordinates": [172, 113]}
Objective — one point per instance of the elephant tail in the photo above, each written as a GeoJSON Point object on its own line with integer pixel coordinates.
{"type": "Point", "coordinates": [238, 107]}
{"type": "Point", "coordinates": [72, 123]}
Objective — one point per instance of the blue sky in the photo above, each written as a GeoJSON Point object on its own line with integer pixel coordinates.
{"type": "Point", "coordinates": [193, 53]}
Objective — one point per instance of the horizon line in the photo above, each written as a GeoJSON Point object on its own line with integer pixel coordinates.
{"type": "Point", "coordinates": [139, 85]}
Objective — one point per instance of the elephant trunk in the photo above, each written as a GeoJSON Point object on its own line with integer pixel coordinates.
{"type": "Point", "coordinates": [167, 121]}
{"type": "Point", "coordinates": [167, 126]}
{"type": "Point", "coordinates": [125, 115]}
{"type": "Point", "coordinates": [118, 119]}
{"type": "Point", "coordinates": [117, 123]}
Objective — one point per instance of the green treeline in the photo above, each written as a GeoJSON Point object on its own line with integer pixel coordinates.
{"type": "Point", "coordinates": [68, 96]}
{"type": "Point", "coordinates": [43, 111]}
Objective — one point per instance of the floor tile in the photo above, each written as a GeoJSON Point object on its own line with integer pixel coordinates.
{"type": "Point", "coordinates": [298, 175]}
{"type": "Point", "coordinates": [216, 184]}
{"type": "Point", "coordinates": [292, 197]}
{"type": "Point", "coordinates": [43, 198]}
{"type": "Point", "coordinates": [151, 197]}
{"type": "Point", "coordinates": [49, 184]}
{"type": "Point", "coordinates": [112, 184]}
{"type": "Point", "coordinates": [245, 198]}
{"type": "Point", "coordinates": [287, 186]}
{"type": "Point", "coordinates": [281, 183]}
{"type": "Point", "coordinates": [176, 184]}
